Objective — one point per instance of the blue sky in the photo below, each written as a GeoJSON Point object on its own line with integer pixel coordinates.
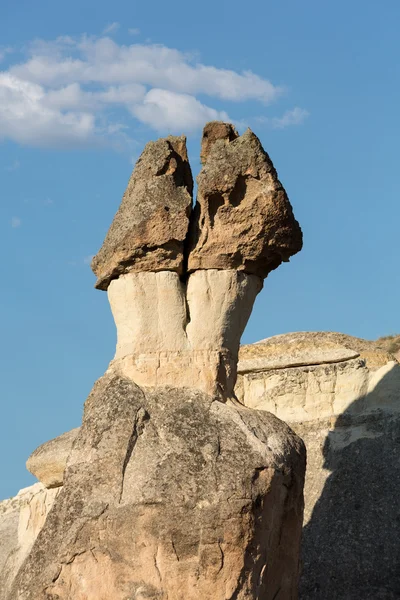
{"type": "Point", "coordinates": [84, 85]}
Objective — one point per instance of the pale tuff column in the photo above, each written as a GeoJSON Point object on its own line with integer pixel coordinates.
{"type": "Point", "coordinates": [165, 337]}
{"type": "Point", "coordinates": [149, 311]}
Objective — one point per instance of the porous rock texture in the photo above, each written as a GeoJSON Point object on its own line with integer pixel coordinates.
{"type": "Point", "coordinates": [171, 494]}
{"type": "Point", "coordinates": [243, 219]}
{"type": "Point", "coordinates": [172, 490]}
{"type": "Point", "coordinates": [21, 519]}
{"type": "Point", "coordinates": [48, 461]}
{"type": "Point", "coordinates": [342, 396]}
{"type": "Point", "coordinates": [150, 227]}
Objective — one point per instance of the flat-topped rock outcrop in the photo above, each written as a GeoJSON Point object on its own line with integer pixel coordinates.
{"type": "Point", "coordinates": [342, 396]}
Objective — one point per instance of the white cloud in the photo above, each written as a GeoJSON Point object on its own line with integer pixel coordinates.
{"type": "Point", "coordinates": [15, 222]}
{"type": "Point", "coordinates": [105, 62]}
{"type": "Point", "coordinates": [134, 31]}
{"type": "Point", "coordinates": [296, 116]}
{"type": "Point", "coordinates": [164, 110]}
{"type": "Point", "coordinates": [26, 118]}
{"type": "Point", "coordinates": [111, 27]}
{"type": "Point", "coordinates": [68, 91]}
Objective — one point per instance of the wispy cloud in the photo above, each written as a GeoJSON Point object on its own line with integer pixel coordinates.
{"type": "Point", "coordinates": [88, 259]}
{"type": "Point", "coordinates": [14, 166]}
{"type": "Point", "coordinates": [134, 31]}
{"type": "Point", "coordinates": [296, 116]}
{"type": "Point", "coordinates": [68, 91]}
{"type": "Point", "coordinates": [16, 222]}
{"type": "Point", "coordinates": [111, 28]}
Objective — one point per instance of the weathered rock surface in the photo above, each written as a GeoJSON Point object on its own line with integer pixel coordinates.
{"type": "Point", "coordinates": [215, 131]}
{"type": "Point", "coordinates": [172, 490]}
{"type": "Point", "coordinates": [348, 414]}
{"type": "Point", "coordinates": [48, 461]}
{"type": "Point", "coordinates": [183, 335]}
{"type": "Point", "coordinates": [150, 227]}
{"type": "Point", "coordinates": [243, 219]}
{"type": "Point", "coordinates": [169, 494]}
{"type": "Point", "coordinates": [21, 519]}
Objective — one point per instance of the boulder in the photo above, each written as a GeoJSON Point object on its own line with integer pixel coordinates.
{"type": "Point", "coordinates": [243, 219]}
{"type": "Point", "coordinates": [150, 227]}
{"type": "Point", "coordinates": [345, 404]}
{"type": "Point", "coordinates": [48, 461]}
{"type": "Point", "coordinates": [171, 494]}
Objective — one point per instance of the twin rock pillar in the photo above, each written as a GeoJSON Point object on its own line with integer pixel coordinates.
{"type": "Point", "coordinates": [172, 489]}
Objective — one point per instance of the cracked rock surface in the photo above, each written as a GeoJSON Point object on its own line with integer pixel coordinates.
{"type": "Point", "coordinates": [173, 490]}
{"type": "Point", "coordinates": [170, 494]}
{"type": "Point", "coordinates": [150, 226]}
{"type": "Point", "coordinates": [243, 218]}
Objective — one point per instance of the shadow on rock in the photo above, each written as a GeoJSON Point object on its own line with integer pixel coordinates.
{"type": "Point", "coordinates": [351, 544]}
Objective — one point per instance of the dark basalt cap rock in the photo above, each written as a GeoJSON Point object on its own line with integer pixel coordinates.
{"type": "Point", "coordinates": [149, 229]}
{"type": "Point", "coordinates": [243, 218]}
{"type": "Point", "coordinates": [213, 131]}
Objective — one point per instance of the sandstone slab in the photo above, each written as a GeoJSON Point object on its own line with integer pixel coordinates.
{"type": "Point", "coordinates": [243, 219]}
{"type": "Point", "coordinates": [150, 227]}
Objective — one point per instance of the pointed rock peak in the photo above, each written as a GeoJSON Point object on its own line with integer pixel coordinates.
{"type": "Point", "coordinates": [243, 218]}
{"type": "Point", "coordinates": [151, 224]}
{"type": "Point", "coordinates": [213, 132]}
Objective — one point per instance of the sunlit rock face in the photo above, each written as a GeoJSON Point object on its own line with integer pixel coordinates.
{"type": "Point", "coordinates": [169, 493]}
{"type": "Point", "coordinates": [182, 334]}
{"type": "Point", "coordinates": [172, 489]}
{"type": "Point", "coordinates": [21, 519]}
{"type": "Point", "coordinates": [342, 396]}
{"type": "Point", "coordinates": [149, 229]}
{"type": "Point", "coordinates": [243, 218]}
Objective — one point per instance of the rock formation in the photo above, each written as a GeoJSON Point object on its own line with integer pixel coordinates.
{"type": "Point", "coordinates": [342, 396]}
{"type": "Point", "coordinates": [48, 461]}
{"type": "Point", "coordinates": [150, 227]}
{"type": "Point", "coordinates": [21, 519]}
{"type": "Point", "coordinates": [172, 490]}
{"type": "Point", "coordinates": [181, 320]}
{"type": "Point", "coordinates": [243, 219]}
